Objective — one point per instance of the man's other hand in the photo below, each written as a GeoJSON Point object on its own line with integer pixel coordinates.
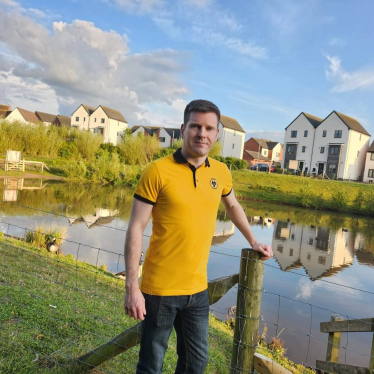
{"type": "Point", "coordinates": [135, 304]}
{"type": "Point", "coordinates": [264, 249]}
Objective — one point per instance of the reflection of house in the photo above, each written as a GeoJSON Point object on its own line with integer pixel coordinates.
{"type": "Point", "coordinates": [99, 218]}
{"type": "Point", "coordinates": [321, 251]}
{"type": "Point", "coordinates": [223, 231]}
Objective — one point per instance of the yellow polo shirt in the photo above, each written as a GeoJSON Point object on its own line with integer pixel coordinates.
{"type": "Point", "coordinates": [185, 204]}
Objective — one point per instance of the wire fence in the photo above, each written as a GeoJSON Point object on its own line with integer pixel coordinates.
{"type": "Point", "coordinates": [55, 309]}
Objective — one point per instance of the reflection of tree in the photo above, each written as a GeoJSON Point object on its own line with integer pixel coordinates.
{"type": "Point", "coordinates": [78, 199]}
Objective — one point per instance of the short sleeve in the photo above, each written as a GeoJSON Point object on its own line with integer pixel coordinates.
{"type": "Point", "coordinates": [227, 187]}
{"type": "Point", "coordinates": [149, 185]}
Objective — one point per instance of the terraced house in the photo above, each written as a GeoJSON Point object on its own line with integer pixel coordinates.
{"type": "Point", "coordinates": [336, 146]}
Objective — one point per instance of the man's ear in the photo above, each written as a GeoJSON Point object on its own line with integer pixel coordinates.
{"type": "Point", "coordinates": [182, 129]}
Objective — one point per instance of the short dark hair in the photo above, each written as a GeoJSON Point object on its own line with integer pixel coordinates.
{"type": "Point", "coordinates": [202, 106]}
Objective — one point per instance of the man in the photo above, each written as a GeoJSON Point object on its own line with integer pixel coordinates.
{"type": "Point", "coordinates": [182, 192]}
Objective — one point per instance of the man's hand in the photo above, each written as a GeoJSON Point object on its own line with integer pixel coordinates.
{"type": "Point", "coordinates": [135, 304]}
{"type": "Point", "coordinates": [265, 249]}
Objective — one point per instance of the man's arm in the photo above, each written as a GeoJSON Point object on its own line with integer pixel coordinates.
{"type": "Point", "coordinates": [134, 300]}
{"type": "Point", "coordinates": [238, 217]}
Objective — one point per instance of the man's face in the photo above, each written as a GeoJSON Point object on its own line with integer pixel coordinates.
{"type": "Point", "coordinates": [200, 133]}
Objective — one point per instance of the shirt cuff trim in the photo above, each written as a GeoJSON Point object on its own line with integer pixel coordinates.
{"type": "Point", "coordinates": [143, 199]}
{"type": "Point", "coordinates": [227, 193]}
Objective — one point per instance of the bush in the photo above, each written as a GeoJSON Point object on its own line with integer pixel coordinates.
{"type": "Point", "coordinates": [216, 149]}
{"type": "Point", "coordinates": [309, 199]}
{"type": "Point", "coordinates": [359, 200]}
{"type": "Point", "coordinates": [42, 235]}
{"type": "Point", "coordinates": [87, 142]}
{"type": "Point", "coordinates": [339, 199]}
{"type": "Point", "coordinates": [235, 163]}
{"type": "Point", "coordinates": [109, 147]}
{"type": "Point", "coordinates": [106, 167]}
{"type": "Point", "coordinates": [75, 169]}
{"type": "Point", "coordinates": [369, 200]}
{"type": "Point", "coordinates": [68, 150]}
{"type": "Point", "coordinates": [138, 150]}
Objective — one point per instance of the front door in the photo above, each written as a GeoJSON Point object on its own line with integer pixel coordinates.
{"type": "Point", "coordinates": [320, 168]}
{"type": "Point", "coordinates": [301, 166]}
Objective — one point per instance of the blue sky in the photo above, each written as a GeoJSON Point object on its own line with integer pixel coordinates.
{"type": "Point", "coordinates": [260, 62]}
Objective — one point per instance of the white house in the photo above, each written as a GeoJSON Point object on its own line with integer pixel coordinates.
{"type": "Point", "coordinates": [336, 146]}
{"type": "Point", "coordinates": [108, 122]}
{"type": "Point", "coordinates": [146, 130]}
{"type": "Point", "coordinates": [81, 117]}
{"type": "Point", "coordinates": [231, 136]}
{"type": "Point", "coordinates": [167, 136]}
{"type": "Point", "coordinates": [46, 118]}
{"type": "Point", "coordinates": [299, 141]}
{"type": "Point", "coordinates": [340, 147]}
{"type": "Point", "coordinates": [369, 165]}
{"type": "Point", "coordinates": [22, 115]}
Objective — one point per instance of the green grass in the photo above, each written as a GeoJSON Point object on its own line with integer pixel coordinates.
{"type": "Point", "coordinates": [54, 309]}
{"type": "Point", "coordinates": [302, 191]}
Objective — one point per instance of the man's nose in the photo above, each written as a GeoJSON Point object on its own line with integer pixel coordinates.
{"type": "Point", "coordinates": [202, 132]}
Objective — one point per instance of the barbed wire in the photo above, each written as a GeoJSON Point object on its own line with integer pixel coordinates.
{"type": "Point", "coordinates": [96, 294]}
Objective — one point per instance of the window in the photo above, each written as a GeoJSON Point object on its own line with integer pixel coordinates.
{"type": "Point", "coordinates": [358, 153]}
{"type": "Point", "coordinates": [303, 149]}
{"type": "Point", "coordinates": [278, 154]}
{"type": "Point", "coordinates": [293, 134]}
{"type": "Point", "coordinates": [372, 156]}
{"type": "Point", "coordinates": [291, 252]}
{"type": "Point", "coordinates": [234, 132]}
{"type": "Point", "coordinates": [334, 150]}
{"type": "Point", "coordinates": [322, 260]}
{"type": "Point", "coordinates": [265, 152]}
{"type": "Point", "coordinates": [233, 145]}
{"type": "Point", "coordinates": [322, 150]}
{"type": "Point", "coordinates": [84, 119]}
{"type": "Point", "coordinates": [309, 256]}
{"type": "Point", "coordinates": [103, 120]}
{"type": "Point", "coordinates": [291, 148]}
{"type": "Point", "coordinates": [161, 139]}
{"type": "Point", "coordinates": [310, 241]}
{"type": "Point", "coordinates": [332, 168]}
{"type": "Point", "coordinates": [324, 133]}
{"type": "Point", "coordinates": [371, 173]}
{"type": "Point", "coordinates": [280, 248]}
{"type": "Point", "coordinates": [77, 119]}
{"type": "Point", "coordinates": [305, 133]}
{"type": "Point", "coordinates": [292, 236]}
{"type": "Point", "coordinates": [338, 134]}
{"type": "Point", "coordinates": [95, 119]}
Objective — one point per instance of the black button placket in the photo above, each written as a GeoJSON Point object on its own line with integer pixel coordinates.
{"type": "Point", "coordinates": [194, 173]}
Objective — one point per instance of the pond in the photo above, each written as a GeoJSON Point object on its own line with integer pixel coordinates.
{"type": "Point", "coordinates": [323, 262]}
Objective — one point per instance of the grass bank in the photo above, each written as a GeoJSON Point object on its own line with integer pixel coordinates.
{"type": "Point", "coordinates": [339, 196]}
{"type": "Point", "coordinates": [55, 308]}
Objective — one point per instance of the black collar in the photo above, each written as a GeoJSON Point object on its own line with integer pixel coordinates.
{"type": "Point", "coordinates": [178, 157]}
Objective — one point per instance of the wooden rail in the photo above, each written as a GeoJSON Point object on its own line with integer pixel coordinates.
{"type": "Point", "coordinates": [20, 166]}
{"type": "Point", "coordinates": [335, 328]}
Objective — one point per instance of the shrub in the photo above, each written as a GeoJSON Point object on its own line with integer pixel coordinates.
{"type": "Point", "coordinates": [132, 175]}
{"type": "Point", "coordinates": [87, 142]}
{"type": "Point", "coordinates": [75, 169]}
{"type": "Point", "coordinates": [369, 200]}
{"type": "Point", "coordinates": [339, 199]}
{"type": "Point", "coordinates": [110, 147]}
{"type": "Point", "coordinates": [164, 152]}
{"type": "Point", "coordinates": [138, 150]}
{"type": "Point", "coordinates": [234, 163]}
{"type": "Point", "coordinates": [106, 167]}
{"type": "Point", "coordinates": [309, 199]}
{"type": "Point", "coordinates": [216, 149]}
{"type": "Point", "coordinates": [68, 150]}
{"type": "Point", "coordinates": [359, 200]}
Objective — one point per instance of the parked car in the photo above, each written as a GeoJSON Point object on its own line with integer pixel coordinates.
{"type": "Point", "coordinates": [260, 167]}
{"type": "Point", "coordinates": [272, 168]}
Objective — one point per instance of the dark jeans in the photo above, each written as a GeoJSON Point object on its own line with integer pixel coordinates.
{"type": "Point", "coordinates": [190, 317]}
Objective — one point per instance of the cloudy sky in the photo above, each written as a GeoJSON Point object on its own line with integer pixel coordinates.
{"type": "Point", "coordinates": [261, 62]}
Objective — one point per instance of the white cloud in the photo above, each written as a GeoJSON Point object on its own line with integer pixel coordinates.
{"type": "Point", "coordinates": [336, 42]}
{"type": "Point", "coordinates": [10, 3]}
{"type": "Point", "coordinates": [84, 64]}
{"type": "Point", "coordinates": [345, 81]}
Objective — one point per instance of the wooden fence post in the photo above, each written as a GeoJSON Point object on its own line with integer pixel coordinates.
{"type": "Point", "coordinates": [247, 311]}
{"type": "Point", "coordinates": [333, 345]}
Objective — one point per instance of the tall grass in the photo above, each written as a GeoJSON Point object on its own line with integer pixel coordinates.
{"type": "Point", "coordinates": [42, 235]}
{"type": "Point", "coordinates": [40, 140]}
{"type": "Point", "coordinates": [138, 150]}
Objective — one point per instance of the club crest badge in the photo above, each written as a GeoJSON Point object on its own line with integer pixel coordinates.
{"type": "Point", "coordinates": [213, 183]}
